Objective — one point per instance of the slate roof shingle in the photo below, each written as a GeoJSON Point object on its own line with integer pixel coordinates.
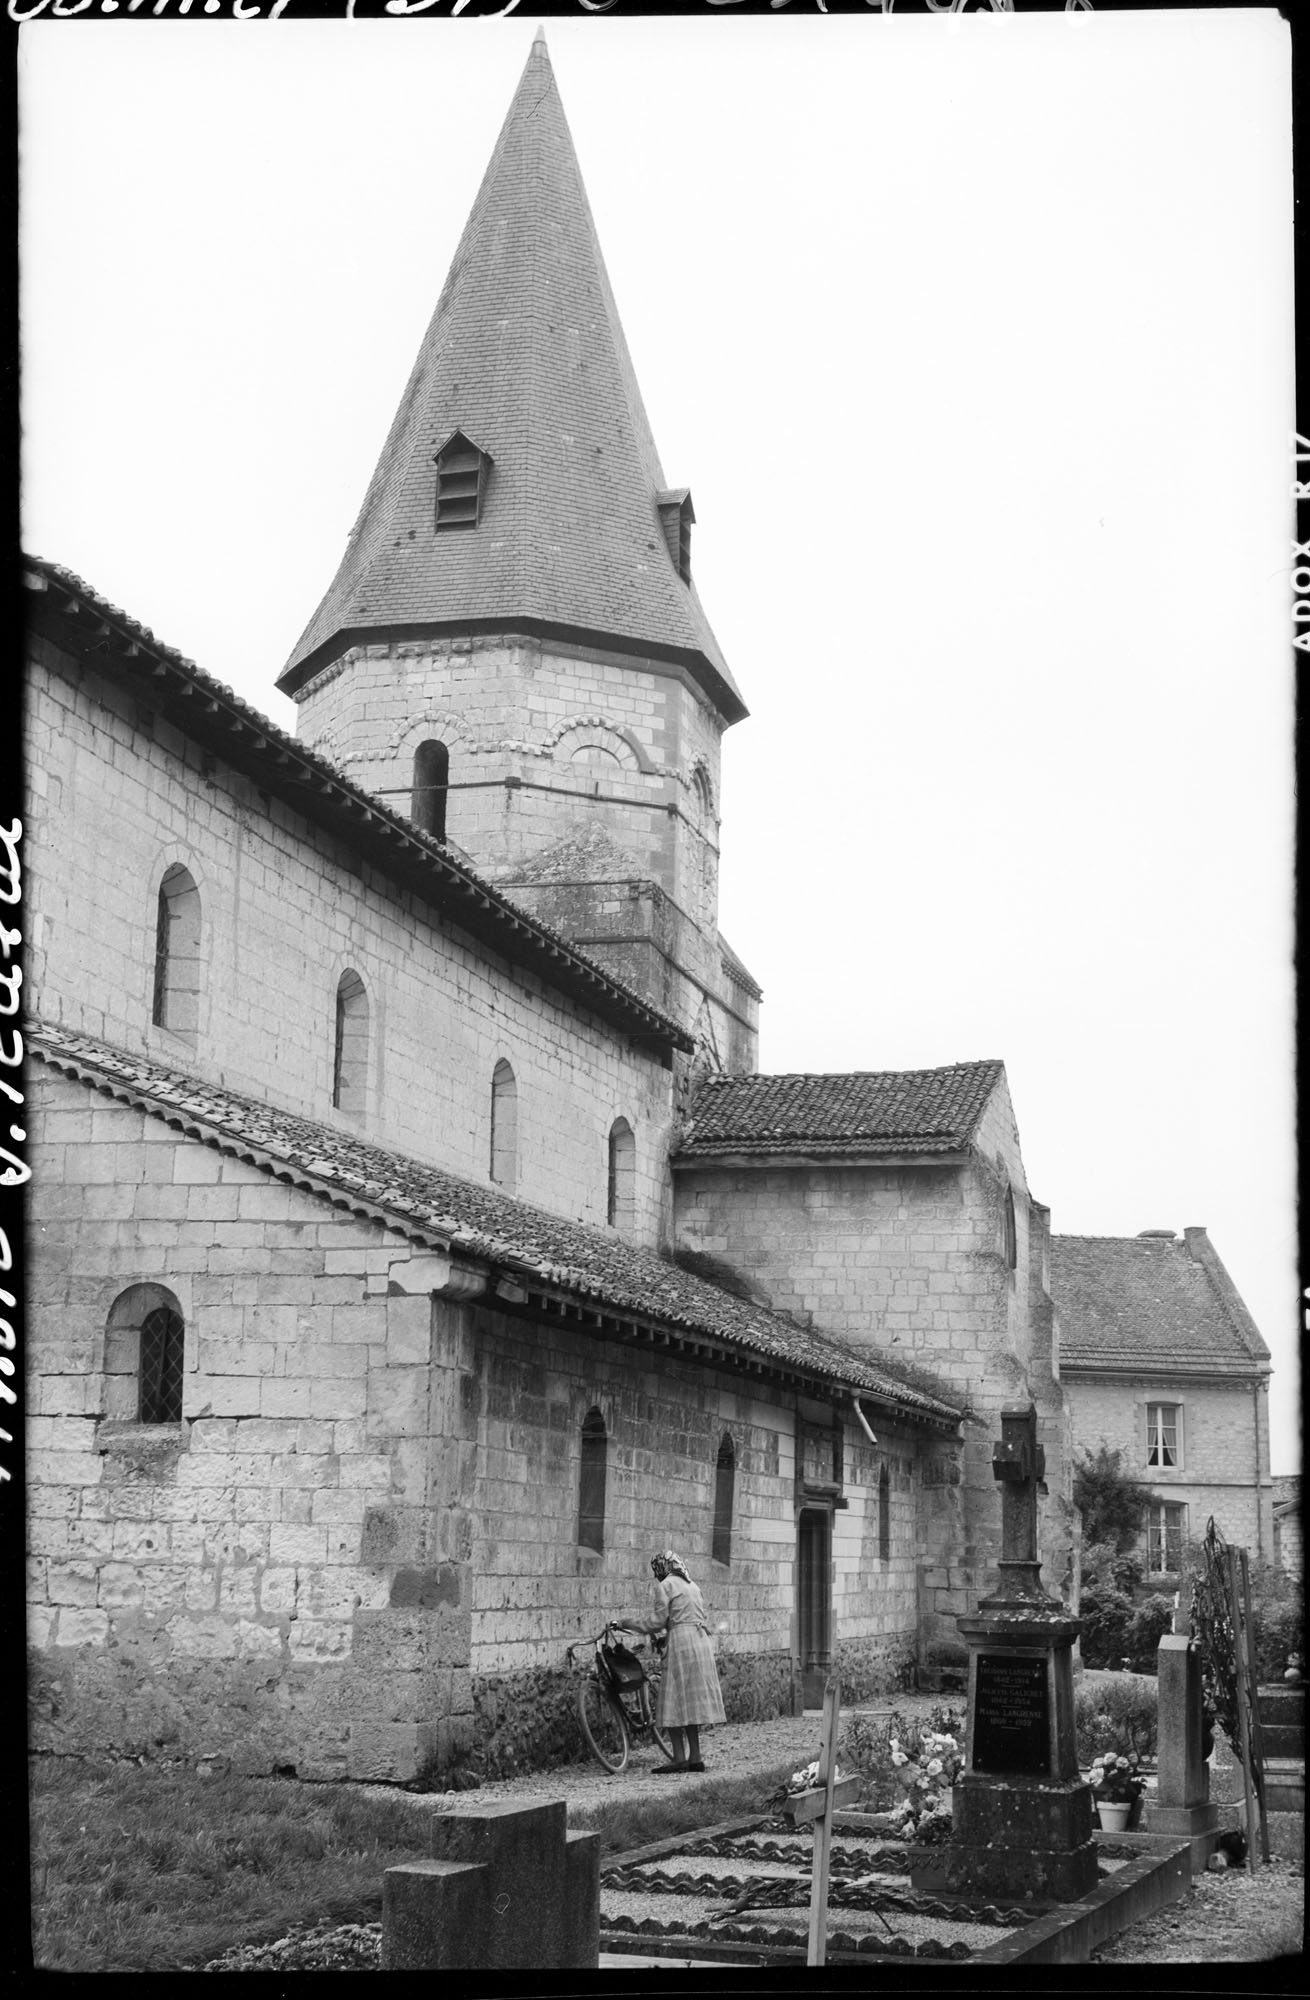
{"type": "Point", "coordinates": [526, 356]}
{"type": "Point", "coordinates": [1148, 1304]}
{"type": "Point", "coordinates": [211, 714]}
{"type": "Point", "coordinates": [879, 1112]}
{"type": "Point", "coordinates": [431, 1205]}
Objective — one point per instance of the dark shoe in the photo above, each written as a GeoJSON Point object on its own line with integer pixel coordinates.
{"type": "Point", "coordinates": [663, 1770]}
{"type": "Point", "coordinates": [695, 1767]}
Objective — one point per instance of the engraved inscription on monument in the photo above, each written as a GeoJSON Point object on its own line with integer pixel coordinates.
{"type": "Point", "coordinates": [1012, 1715]}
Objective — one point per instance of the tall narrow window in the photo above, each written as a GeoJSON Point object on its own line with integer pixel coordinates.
{"type": "Point", "coordinates": [145, 1341]}
{"type": "Point", "coordinates": [725, 1482]}
{"type": "Point", "coordinates": [591, 1484]}
{"type": "Point", "coordinates": [350, 1054]}
{"type": "Point", "coordinates": [431, 784]}
{"type": "Point", "coordinates": [462, 471]}
{"type": "Point", "coordinates": [884, 1514]}
{"type": "Point", "coordinates": [1162, 1435]}
{"type": "Point", "coordinates": [177, 954]}
{"type": "Point", "coordinates": [1010, 1235]}
{"type": "Point", "coordinates": [622, 1175]}
{"type": "Point", "coordinates": [504, 1126]}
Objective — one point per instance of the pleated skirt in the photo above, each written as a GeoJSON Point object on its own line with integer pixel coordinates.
{"type": "Point", "coordinates": [689, 1691]}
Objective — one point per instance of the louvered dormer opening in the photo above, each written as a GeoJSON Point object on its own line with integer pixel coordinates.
{"type": "Point", "coordinates": [461, 482]}
{"type": "Point", "coordinates": [676, 516]}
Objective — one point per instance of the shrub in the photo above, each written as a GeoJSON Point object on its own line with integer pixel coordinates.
{"type": "Point", "coordinates": [1107, 1615]}
{"type": "Point", "coordinates": [1115, 1712]}
{"type": "Point", "coordinates": [1278, 1620]}
{"type": "Point", "coordinates": [1113, 1505]}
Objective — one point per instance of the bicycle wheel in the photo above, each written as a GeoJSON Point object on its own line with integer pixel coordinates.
{"type": "Point", "coordinates": [663, 1743]}
{"type": "Point", "coordinates": [603, 1724]}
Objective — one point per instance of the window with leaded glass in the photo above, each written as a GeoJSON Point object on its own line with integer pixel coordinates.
{"type": "Point", "coordinates": [161, 1367]}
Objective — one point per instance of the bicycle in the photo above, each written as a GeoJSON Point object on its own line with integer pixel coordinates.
{"type": "Point", "coordinates": [614, 1700]}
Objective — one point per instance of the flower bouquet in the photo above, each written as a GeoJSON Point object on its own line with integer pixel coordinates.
{"type": "Point", "coordinates": [1116, 1787]}
{"type": "Point", "coordinates": [927, 1762]}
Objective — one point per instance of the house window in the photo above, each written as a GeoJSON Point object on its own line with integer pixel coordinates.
{"type": "Point", "coordinates": [350, 1054]}
{"type": "Point", "coordinates": [504, 1126]}
{"type": "Point", "coordinates": [622, 1173]}
{"type": "Point", "coordinates": [1164, 1434]}
{"type": "Point", "coordinates": [884, 1514]}
{"type": "Point", "coordinates": [1166, 1531]}
{"type": "Point", "coordinates": [177, 955]}
{"type": "Point", "coordinates": [427, 806]}
{"type": "Point", "coordinates": [145, 1346]}
{"type": "Point", "coordinates": [591, 1484]}
{"type": "Point", "coordinates": [725, 1481]}
{"type": "Point", "coordinates": [461, 482]}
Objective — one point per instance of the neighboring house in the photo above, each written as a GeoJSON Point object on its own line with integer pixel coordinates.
{"type": "Point", "coordinates": [375, 1341]}
{"type": "Point", "coordinates": [1160, 1360]}
{"type": "Point", "coordinates": [1288, 1549]}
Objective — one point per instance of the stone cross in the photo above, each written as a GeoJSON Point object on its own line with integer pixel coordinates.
{"type": "Point", "coordinates": [1018, 1463]}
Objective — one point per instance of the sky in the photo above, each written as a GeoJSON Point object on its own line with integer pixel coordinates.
{"type": "Point", "coordinates": [972, 337]}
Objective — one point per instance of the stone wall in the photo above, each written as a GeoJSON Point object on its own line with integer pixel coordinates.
{"type": "Point", "coordinates": [554, 753]}
{"type": "Point", "coordinates": [909, 1264]}
{"type": "Point", "coordinates": [365, 1523]}
{"type": "Point", "coordinates": [1225, 1444]}
{"type": "Point", "coordinates": [119, 796]}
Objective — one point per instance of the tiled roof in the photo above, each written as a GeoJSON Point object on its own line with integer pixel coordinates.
{"type": "Point", "coordinates": [1151, 1303]}
{"type": "Point", "coordinates": [211, 714]}
{"type": "Point", "coordinates": [525, 355]}
{"type": "Point", "coordinates": [435, 1207]}
{"type": "Point", "coordinates": [891, 1112]}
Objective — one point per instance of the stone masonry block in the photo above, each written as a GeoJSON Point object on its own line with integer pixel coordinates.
{"type": "Point", "coordinates": [434, 1914]}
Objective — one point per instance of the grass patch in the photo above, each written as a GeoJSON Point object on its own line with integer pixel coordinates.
{"type": "Point", "coordinates": [625, 1823]}
{"type": "Point", "coordinates": [143, 1870]}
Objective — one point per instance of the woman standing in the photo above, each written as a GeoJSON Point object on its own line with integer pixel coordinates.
{"type": "Point", "coordinates": [689, 1697]}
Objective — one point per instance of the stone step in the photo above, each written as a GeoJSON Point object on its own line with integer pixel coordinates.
{"type": "Point", "coordinates": [1285, 1784]}
{"type": "Point", "coordinates": [1281, 1706]}
{"type": "Point", "coordinates": [1282, 1739]}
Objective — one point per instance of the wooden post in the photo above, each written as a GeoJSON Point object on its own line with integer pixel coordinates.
{"type": "Point", "coordinates": [1243, 1692]}
{"type": "Point", "coordinates": [1257, 1727]}
{"type": "Point", "coordinates": [817, 1951]}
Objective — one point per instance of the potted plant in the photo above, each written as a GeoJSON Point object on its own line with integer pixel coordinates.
{"type": "Point", "coordinates": [1116, 1787]}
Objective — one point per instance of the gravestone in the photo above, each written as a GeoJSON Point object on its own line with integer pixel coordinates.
{"type": "Point", "coordinates": [1182, 1800]}
{"type": "Point", "coordinates": [1021, 1812]}
{"type": "Point", "coordinates": [507, 1886]}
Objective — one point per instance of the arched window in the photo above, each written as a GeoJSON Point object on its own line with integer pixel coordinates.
{"type": "Point", "coordinates": [504, 1126]}
{"type": "Point", "coordinates": [622, 1175]}
{"type": "Point", "coordinates": [350, 1050]}
{"type": "Point", "coordinates": [884, 1514]}
{"type": "Point", "coordinates": [725, 1482]}
{"type": "Point", "coordinates": [1009, 1233]}
{"type": "Point", "coordinates": [144, 1354]}
{"type": "Point", "coordinates": [591, 1483]}
{"type": "Point", "coordinates": [427, 806]}
{"type": "Point", "coordinates": [177, 955]}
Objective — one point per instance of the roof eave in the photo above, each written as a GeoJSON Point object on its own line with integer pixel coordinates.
{"type": "Point", "coordinates": [727, 1157]}
{"type": "Point", "coordinates": [300, 670]}
{"type": "Point", "coordinates": [248, 742]}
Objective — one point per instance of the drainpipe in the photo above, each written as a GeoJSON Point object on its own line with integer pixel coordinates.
{"type": "Point", "coordinates": [1259, 1527]}
{"type": "Point", "coordinates": [864, 1421]}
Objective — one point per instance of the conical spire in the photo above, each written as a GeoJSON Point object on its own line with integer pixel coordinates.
{"type": "Point", "coordinates": [526, 358]}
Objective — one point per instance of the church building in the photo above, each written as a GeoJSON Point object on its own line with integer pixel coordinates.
{"type": "Point", "coordinates": [414, 1244]}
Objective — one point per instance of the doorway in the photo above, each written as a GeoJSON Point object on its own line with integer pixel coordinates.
{"type": "Point", "coordinates": [814, 1601]}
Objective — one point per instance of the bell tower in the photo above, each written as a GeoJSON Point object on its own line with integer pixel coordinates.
{"type": "Point", "coordinates": [513, 650]}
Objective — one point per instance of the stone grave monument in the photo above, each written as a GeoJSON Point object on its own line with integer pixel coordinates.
{"type": "Point", "coordinates": [1182, 1801]}
{"type": "Point", "coordinates": [508, 1886]}
{"type": "Point", "coordinates": [1022, 1814]}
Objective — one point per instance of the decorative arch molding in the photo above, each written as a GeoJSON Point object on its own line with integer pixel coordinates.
{"type": "Point", "coordinates": [581, 732]}
{"type": "Point", "coordinates": [702, 790]}
{"type": "Point", "coordinates": [436, 725]}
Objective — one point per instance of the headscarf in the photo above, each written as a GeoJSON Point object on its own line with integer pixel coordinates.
{"type": "Point", "coordinates": [667, 1562]}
